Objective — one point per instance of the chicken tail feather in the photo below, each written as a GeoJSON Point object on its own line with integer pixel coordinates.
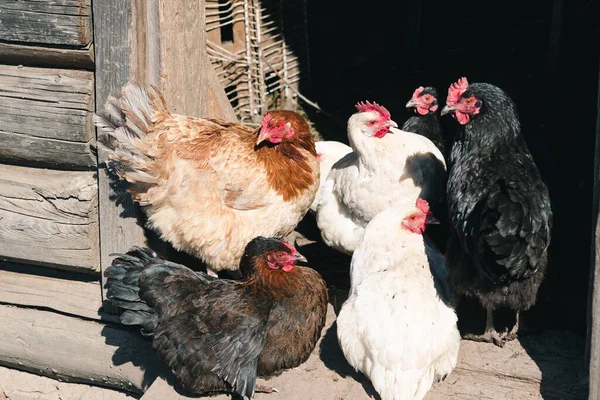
{"type": "Point", "coordinates": [122, 285]}
{"type": "Point", "coordinates": [125, 122]}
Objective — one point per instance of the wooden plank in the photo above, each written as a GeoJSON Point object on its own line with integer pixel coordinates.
{"type": "Point", "coordinates": [37, 56]}
{"type": "Point", "coordinates": [119, 229]}
{"type": "Point", "coordinates": [49, 218]}
{"type": "Point", "coordinates": [76, 350]}
{"type": "Point", "coordinates": [20, 385]}
{"type": "Point", "coordinates": [182, 40]}
{"type": "Point", "coordinates": [46, 117]}
{"type": "Point", "coordinates": [189, 81]}
{"type": "Point", "coordinates": [217, 104]}
{"type": "Point", "coordinates": [57, 22]}
{"type": "Point", "coordinates": [31, 286]}
{"type": "Point", "coordinates": [592, 353]}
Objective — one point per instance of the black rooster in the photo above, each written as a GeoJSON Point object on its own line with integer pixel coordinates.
{"type": "Point", "coordinates": [498, 206]}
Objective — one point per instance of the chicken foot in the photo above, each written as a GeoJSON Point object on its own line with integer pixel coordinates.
{"type": "Point", "coordinates": [512, 334]}
{"type": "Point", "coordinates": [490, 335]}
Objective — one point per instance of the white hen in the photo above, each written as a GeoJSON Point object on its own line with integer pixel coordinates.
{"type": "Point", "coordinates": [397, 326]}
{"type": "Point", "coordinates": [387, 166]}
{"type": "Point", "coordinates": [328, 153]}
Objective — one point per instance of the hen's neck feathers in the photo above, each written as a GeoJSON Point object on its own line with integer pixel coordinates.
{"type": "Point", "coordinates": [289, 170]}
{"type": "Point", "coordinates": [496, 125]}
{"type": "Point", "coordinates": [421, 124]}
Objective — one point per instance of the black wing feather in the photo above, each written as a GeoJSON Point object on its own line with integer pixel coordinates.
{"type": "Point", "coordinates": [206, 326]}
{"type": "Point", "coordinates": [507, 231]}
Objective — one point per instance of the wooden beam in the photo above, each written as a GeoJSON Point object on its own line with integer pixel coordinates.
{"type": "Point", "coordinates": [592, 353]}
{"type": "Point", "coordinates": [23, 385]}
{"type": "Point", "coordinates": [189, 81]}
{"type": "Point", "coordinates": [75, 350]}
{"type": "Point", "coordinates": [183, 48]}
{"type": "Point", "coordinates": [46, 117]}
{"type": "Point", "coordinates": [27, 285]}
{"type": "Point", "coordinates": [37, 56]}
{"type": "Point", "coordinates": [119, 228]}
{"type": "Point", "coordinates": [59, 22]}
{"type": "Point", "coordinates": [49, 218]}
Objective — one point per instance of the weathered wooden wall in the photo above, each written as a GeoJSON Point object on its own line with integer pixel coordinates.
{"type": "Point", "coordinates": [48, 183]}
{"type": "Point", "coordinates": [46, 117]}
{"type": "Point", "coordinates": [59, 221]}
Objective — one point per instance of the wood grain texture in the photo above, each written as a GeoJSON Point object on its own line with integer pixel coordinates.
{"type": "Point", "coordinates": [21, 385]}
{"type": "Point", "coordinates": [217, 104]}
{"type": "Point", "coordinates": [75, 350]}
{"type": "Point", "coordinates": [183, 51]}
{"type": "Point", "coordinates": [189, 81]}
{"type": "Point", "coordinates": [46, 117]}
{"type": "Point", "coordinates": [119, 229]}
{"type": "Point", "coordinates": [40, 287]}
{"type": "Point", "coordinates": [49, 217]}
{"type": "Point", "coordinates": [38, 56]}
{"type": "Point", "coordinates": [57, 22]}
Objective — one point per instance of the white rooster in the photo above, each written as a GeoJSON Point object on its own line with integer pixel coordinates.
{"type": "Point", "coordinates": [397, 326]}
{"type": "Point", "coordinates": [328, 153]}
{"type": "Point", "coordinates": [387, 166]}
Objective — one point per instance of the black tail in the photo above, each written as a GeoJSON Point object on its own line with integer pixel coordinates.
{"type": "Point", "coordinates": [123, 288]}
{"type": "Point", "coordinates": [146, 287]}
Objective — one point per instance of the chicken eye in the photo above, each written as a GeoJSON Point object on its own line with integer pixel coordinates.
{"type": "Point", "coordinates": [427, 98]}
{"type": "Point", "coordinates": [469, 101]}
{"type": "Point", "coordinates": [280, 125]}
{"type": "Point", "coordinates": [371, 123]}
{"type": "Point", "coordinates": [279, 256]}
{"type": "Point", "coordinates": [412, 217]}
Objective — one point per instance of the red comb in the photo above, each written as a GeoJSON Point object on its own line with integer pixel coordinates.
{"type": "Point", "coordinates": [417, 92]}
{"type": "Point", "coordinates": [368, 106]}
{"type": "Point", "coordinates": [456, 90]}
{"type": "Point", "coordinates": [289, 246]}
{"type": "Point", "coordinates": [423, 205]}
{"type": "Point", "coordinates": [265, 121]}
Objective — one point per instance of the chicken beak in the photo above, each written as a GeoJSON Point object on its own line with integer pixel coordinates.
{"type": "Point", "coordinates": [447, 110]}
{"type": "Point", "coordinates": [411, 103]}
{"type": "Point", "coordinates": [392, 124]}
{"type": "Point", "coordinates": [431, 220]}
{"type": "Point", "coordinates": [299, 257]}
{"type": "Point", "coordinates": [262, 136]}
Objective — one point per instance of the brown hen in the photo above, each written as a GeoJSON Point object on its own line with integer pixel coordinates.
{"type": "Point", "coordinates": [210, 186]}
{"type": "Point", "coordinates": [220, 334]}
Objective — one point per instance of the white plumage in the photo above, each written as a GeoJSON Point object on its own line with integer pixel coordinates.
{"type": "Point", "coordinates": [397, 326]}
{"type": "Point", "coordinates": [328, 153]}
{"type": "Point", "coordinates": [380, 172]}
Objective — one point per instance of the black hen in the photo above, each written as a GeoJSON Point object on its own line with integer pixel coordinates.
{"type": "Point", "coordinates": [219, 335]}
{"type": "Point", "coordinates": [426, 121]}
{"type": "Point", "coordinates": [498, 206]}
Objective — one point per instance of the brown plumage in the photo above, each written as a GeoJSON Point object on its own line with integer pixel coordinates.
{"type": "Point", "coordinates": [219, 335]}
{"type": "Point", "coordinates": [210, 186]}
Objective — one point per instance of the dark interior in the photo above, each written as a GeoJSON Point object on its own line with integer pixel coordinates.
{"type": "Point", "coordinates": [544, 54]}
